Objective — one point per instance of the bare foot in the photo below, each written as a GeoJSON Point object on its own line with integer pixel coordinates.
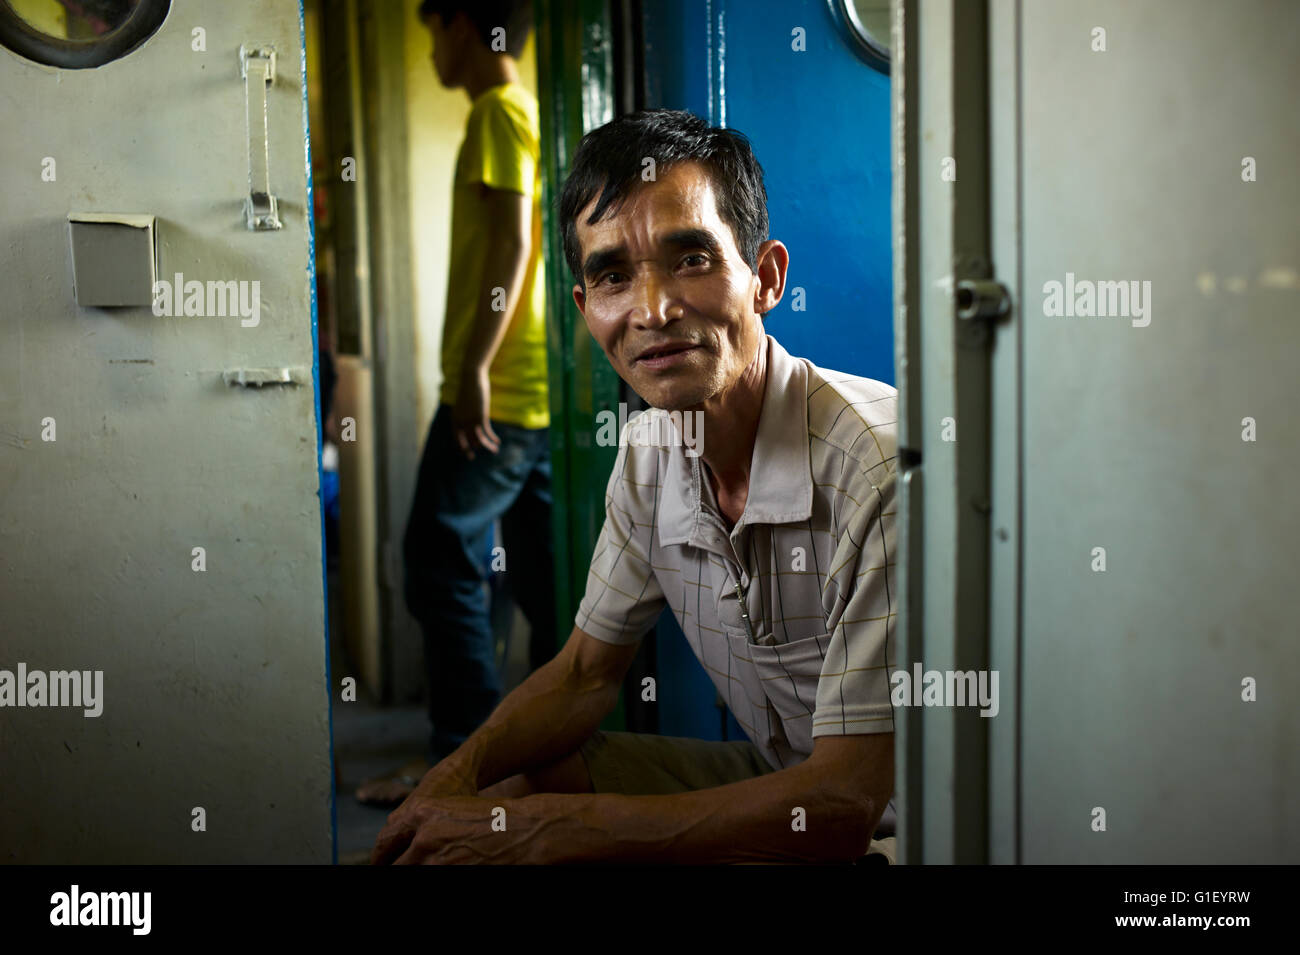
{"type": "Point", "coordinates": [392, 790]}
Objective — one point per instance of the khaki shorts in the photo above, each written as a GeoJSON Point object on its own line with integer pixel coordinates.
{"type": "Point", "coordinates": [641, 764]}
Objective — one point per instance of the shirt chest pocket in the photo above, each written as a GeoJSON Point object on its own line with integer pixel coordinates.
{"type": "Point", "coordinates": [786, 675]}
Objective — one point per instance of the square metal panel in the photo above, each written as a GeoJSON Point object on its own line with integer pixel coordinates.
{"type": "Point", "coordinates": [114, 259]}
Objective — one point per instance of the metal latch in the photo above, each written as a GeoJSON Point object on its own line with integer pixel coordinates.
{"type": "Point", "coordinates": [980, 304]}
{"type": "Point", "coordinates": [982, 299]}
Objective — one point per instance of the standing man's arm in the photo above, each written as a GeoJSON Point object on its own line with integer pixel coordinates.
{"type": "Point", "coordinates": [500, 287]}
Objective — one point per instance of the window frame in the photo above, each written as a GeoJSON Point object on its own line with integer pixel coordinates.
{"type": "Point", "coordinates": [21, 38]}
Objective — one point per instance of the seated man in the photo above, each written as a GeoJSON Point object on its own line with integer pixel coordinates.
{"type": "Point", "coordinates": [772, 540]}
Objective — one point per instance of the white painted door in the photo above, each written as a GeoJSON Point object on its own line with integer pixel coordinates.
{"type": "Point", "coordinates": [1164, 438]}
{"type": "Point", "coordinates": [1126, 471]}
{"type": "Point", "coordinates": [160, 520]}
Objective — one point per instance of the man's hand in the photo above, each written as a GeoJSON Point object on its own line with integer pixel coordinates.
{"type": "Point", "coordinates": [436, 828]}
{"type": "Point", "coordinates": [457, 830]}
{"type": "Point", "coordinates": [442, 782]}
{"type": "Point", "coordinates": [469, 416]}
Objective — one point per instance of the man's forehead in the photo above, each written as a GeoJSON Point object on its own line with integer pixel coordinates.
{"type": "Point", "coordinates": [681, 197]}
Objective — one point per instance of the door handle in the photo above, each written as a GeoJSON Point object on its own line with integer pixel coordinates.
{"type": "Point", "coordinates": [257, 67]}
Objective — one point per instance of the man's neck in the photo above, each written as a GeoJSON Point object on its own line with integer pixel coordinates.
{"type": "Point", "coordinates": [492, 70]}
{"type": "Point", "coordinates": [730, 431]}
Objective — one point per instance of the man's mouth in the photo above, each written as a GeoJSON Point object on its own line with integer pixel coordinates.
{"type": "Point", "coordinates": [662, 351]}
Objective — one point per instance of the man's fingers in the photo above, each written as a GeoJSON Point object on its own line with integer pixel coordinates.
{"type": "Point", "coordinates": [392, 841]}
{"type": "Point", "coordinates": [406, 858]}
{"type": "Point", "coordinates": [382, 852]}
{"type": "Point", "coordinates": [464, 443]}
{"type": "Point", "coordinates": [421, 848]}
{"type": "Point", "coordinates": [488, 439]}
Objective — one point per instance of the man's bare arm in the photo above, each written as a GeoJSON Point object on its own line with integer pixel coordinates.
{"type": "Point", "coordinates": [547, 717]}
{"type": "Point", "coordinates": [499, 287]}
{"type": "Point", "coordinates": [506, 268]}
{"type": "Point", "coordinates": [842, 790]}
{"type": "Point", "coordinates": [550, 714]}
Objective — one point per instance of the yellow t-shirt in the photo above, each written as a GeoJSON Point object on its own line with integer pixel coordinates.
{"type": "Point", "coordinates": [502, 150]}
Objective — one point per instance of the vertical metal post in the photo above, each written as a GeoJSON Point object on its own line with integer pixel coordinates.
{"type": "Point", "coordinates": [575, 65]}
{"type": "Point", "coordinates": [941, 204]}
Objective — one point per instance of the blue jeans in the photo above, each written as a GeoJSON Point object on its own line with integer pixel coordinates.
{"type": "Point", "coordinates": [447, 535]}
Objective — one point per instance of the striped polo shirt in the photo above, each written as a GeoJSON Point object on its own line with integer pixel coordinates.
{"type": "Point", "coordinates": [792, 612]}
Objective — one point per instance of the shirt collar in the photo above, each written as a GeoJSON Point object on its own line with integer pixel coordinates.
{"type": "Point", "coordinates": [780, 474]}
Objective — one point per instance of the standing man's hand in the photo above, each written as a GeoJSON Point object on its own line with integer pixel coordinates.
{"type": "Point", "coordinates": [469, 416]}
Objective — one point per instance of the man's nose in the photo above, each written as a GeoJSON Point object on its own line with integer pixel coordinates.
{"type": "Point", "coordinates": [655, 304]}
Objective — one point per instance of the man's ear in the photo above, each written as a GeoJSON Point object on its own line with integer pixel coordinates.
{"type": "Point", "coordinates": [580, 299]}
{"type": "Point", "coordinates": [773, 261]}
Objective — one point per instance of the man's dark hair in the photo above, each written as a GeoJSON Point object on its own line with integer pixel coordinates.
{"type": "Point", "coordinates": [515, 15]}
{"type": "Point", "coordinates": [610, 161]}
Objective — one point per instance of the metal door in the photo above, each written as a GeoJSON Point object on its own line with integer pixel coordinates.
{"type": "Point", "coordinates": [1114, 527]}
{"type": "Point", "coordinates": [160, 520]}
{"type": "Point", "coordinates": [1135, 432]}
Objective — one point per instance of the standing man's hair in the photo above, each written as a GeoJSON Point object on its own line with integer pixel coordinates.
{"type": "Point", "coordinates": [516, 16]}
{"type": "Point", "coordinates": [610, 161]}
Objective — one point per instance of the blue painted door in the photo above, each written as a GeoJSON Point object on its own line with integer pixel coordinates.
{"type": "Point", "coordinates": [781, 72]}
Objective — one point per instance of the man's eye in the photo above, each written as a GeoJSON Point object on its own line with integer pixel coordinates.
{"type": "Point", "coordinates": [696, 258]}
{"type": "Point", "coordinates": [605, 279]}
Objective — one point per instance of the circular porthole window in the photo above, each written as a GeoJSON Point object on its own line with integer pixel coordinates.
{"type": "Point", "coordinates": [78, 34]}
{"type": "Point", "coordinates": [867, 24]}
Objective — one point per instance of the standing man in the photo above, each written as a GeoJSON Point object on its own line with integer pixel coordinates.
{"type": "Point", "coordinates": [487, 455]}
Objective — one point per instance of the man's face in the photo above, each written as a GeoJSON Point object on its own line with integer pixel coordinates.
{"type": "Point", "coordinates": [446, 58]}
{"type": "Point", "coordinates": [665, 272]}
